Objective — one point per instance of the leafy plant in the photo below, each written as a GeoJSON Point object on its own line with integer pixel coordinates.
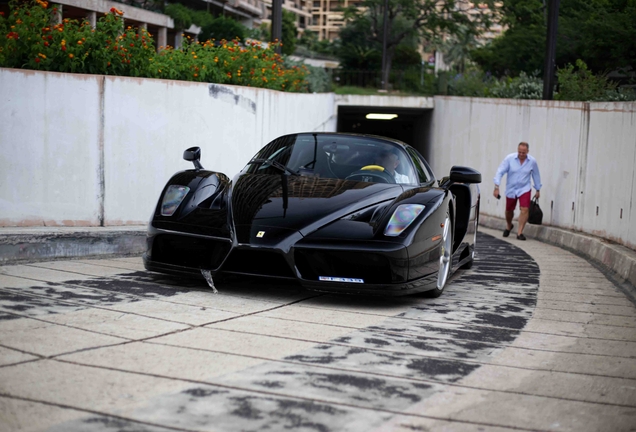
{"type": "Point", "coordinates": [223, 28]}
{"type": "Point", "coordinates": [580, 84]}
{"type": "Point", "coordinates": [31, 42]}
{"type": "Point", "coordinates": [181, 15]}
{"type": "Point", "coordinates": [318, 80]}
{"type": "Point", "coordinates": [72, 46]}
{"type": "Point", "coordinates": [522, 87]}
{"type": "Point", "coordinates": [473, 84]}
{"type": "Point", "coordinates": [289, 32]}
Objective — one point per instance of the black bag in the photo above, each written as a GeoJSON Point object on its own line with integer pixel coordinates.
{"type": "Point", "coordinates": [536, 215]}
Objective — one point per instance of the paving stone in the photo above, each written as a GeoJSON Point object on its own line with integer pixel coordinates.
{"type": "Point", "coordinates": [46, 339]}
{"type": "Point", "coordinates": [123, 325]}
{"type": "Point", "coordinates": [151, 358]}
{"type": "Point", "coordinates": [10, 356]}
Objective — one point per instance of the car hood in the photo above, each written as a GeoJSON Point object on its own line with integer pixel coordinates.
{"type": "Point", "coordinates": [280, 206]}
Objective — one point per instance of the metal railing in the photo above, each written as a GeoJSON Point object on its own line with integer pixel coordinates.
{"type": "Point", "coordinates": [412, 79]}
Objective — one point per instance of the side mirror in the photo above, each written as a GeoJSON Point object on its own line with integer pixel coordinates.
{"type": "Point", "coordinates": [460, 174]}
{"type": "Point", "coordinates": [193, 154]}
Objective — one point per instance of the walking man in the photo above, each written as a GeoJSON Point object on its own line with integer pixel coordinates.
{"type": "Point", "coordinates": [520, 167]}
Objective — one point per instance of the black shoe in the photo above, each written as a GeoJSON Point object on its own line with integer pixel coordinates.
{"type": "Point", "coordinates": [521, 237]}
{"type": "Point", "coordinates": [507, 231]}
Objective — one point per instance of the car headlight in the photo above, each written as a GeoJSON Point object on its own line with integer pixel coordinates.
{"type": "Point", "coordinates": [172, 198]}
{"type": "Point", "coordinates": [402, 217]}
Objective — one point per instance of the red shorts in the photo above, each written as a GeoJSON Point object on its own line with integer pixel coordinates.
{"type": "Point", "coordinates": [524, 201]}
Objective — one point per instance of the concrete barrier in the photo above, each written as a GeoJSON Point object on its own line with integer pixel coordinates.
{"type": "Point", "coordinates": [586, 154]}
{"type": "Point", "coordinates": [89, 150]}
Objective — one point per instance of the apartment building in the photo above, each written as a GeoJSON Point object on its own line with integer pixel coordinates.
{"type": "Point", "coordinates": [300, 8]}
{"type": "Point", "coordinates": [327, 18]}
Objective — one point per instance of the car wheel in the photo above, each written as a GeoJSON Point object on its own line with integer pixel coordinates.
{"type": "Point", "coordinates": [445, 259]}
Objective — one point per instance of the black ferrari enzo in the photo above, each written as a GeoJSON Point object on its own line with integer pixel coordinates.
{"type": "Point", "coordinates": [336, 212]}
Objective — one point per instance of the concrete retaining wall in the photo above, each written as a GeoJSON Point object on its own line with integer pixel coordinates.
{"type": "Point", "coordinates": [586, 154]}
{"type": "Point", "coordinates": [88, 150]}
{"type": "Point", "coordinates": [84, 150]}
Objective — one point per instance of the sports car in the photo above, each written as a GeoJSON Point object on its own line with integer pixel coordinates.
{"type": "Point", "coordinates": [355, 214]}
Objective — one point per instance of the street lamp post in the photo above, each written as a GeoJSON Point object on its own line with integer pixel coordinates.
{"type": "Point", "coordinates": [550, 50]}
{"type": "Point", "coordinates": [277, 22]}
{"type": "Point", "coordinates": [385, 25]}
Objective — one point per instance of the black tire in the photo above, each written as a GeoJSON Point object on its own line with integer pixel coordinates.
{"type": "Point", "coordinates": [446, 259]}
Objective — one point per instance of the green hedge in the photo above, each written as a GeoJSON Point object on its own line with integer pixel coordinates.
{"type": "Point", "coordinates": [30, 41]}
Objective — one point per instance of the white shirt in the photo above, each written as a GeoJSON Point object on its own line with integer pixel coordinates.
{"type": "Point", "coordinates": [401, 178]}
{"type": "Point", "coordinates": [519, 175]}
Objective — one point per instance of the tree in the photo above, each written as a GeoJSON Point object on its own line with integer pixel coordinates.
{"type": "Point", "coordinates": [289, 32]}
{"type": "Point", "coordinates": [425, 19]}
{"type": "Point", "coordinates": [181, 15]}
{"type": "Point", "coordinates": [222, 28]}
{"type": "Point", "coordinates": [602, 33]}
{"type": "Point", "coordinates": [457, 48]}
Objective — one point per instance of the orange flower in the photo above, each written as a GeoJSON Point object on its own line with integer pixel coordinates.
{"type": "Point", "coordinates": [71, 56]}
{"type": "Point", "coordinates": [18, 21]}
{"type": "Point", "coordinates": [37, 60]}
{"type": "Point", "coordinates": [79, 42]}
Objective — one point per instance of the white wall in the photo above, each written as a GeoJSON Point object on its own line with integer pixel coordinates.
{"type": "Point", "coordinates": [86, 150]}
{"type": "Point", "coordinates": [586, 154]}
{"type": "Point", "coordinates": [76, 149]}
{"type": "Point", "coordinates": [49, 149]}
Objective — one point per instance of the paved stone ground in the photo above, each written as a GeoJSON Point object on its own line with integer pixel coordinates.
{"type": "Point", "coordinates": [102, 345]}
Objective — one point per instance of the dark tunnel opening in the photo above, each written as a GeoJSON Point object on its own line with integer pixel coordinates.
{"type": "Point", "coordinates": [412, 125]}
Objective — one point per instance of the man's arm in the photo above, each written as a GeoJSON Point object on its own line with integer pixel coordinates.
{"type": "Point", "coordinates": [536, 179]}
{"type": "Point", "coordinates": [503, 169]}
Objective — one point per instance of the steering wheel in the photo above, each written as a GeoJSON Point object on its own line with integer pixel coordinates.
{"type": "Point", "coordinates": [371, 173]}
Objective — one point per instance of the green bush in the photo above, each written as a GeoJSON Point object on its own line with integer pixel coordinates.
{"type": "Point", "coordinates": [181, 15]}
{"type": "Point", "coordinates": [522, 87]}
{"type": "Point", "coordinates": [472, 84]}
{"type": "Point", "coordinates": [317, 78]}
{"type": "Point", "coordinates": [222, 28]}
{"type": "Point", "coordinates": [31, 42]}
{"type": "Point", "coordinates": [581, 84]}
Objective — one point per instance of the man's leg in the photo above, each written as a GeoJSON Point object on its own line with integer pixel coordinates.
{"type": "Point", "coordinates": [509, 215]}
{"type": "Point", "coordinates": [524, 206]}
{"type": "Point", "coordinates": [511, 203]}
{"type": "Point", "coordinates": [523, 218]}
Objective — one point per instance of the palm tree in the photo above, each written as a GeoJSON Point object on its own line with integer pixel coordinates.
{"type": "Point", "coordinates": [457, 48]}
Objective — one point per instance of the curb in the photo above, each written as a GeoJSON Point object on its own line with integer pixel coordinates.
{"type": "Point", "coordinates": [611, 256]}
{"type": "Point", "coordinates": [47, 243]}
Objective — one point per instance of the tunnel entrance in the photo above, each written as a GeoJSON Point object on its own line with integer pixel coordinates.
{"type": "Point", "coordinates": [412, 125]}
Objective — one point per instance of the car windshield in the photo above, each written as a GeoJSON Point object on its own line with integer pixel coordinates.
{"type": "Point", "coordinates": [335, 156]}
